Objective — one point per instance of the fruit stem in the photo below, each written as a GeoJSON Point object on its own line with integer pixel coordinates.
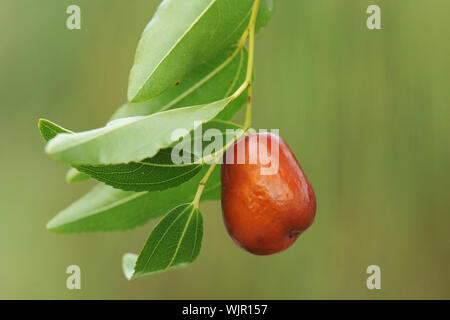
{"type": "Point", "coordinates": [217, 155]}
{"type": "Point", "coordinates": [202, 184]}
{"type": "Point", "coordinates": [247, 85]}
{"type": "Point", "coordinates": [251, 59]}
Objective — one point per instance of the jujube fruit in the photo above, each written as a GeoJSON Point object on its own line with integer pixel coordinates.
{"type": "Point", "coordinates": [265, 213]}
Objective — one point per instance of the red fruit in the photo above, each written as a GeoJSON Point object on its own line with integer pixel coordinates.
{"type": "Point", "coordinates": [265, 214]}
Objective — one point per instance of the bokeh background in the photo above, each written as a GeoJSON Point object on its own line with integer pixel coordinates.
{"type": "Point", "coordinates": [366, 112]}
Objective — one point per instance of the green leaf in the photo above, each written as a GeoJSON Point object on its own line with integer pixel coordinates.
{"type": "Point", "coordinates": [130, 139]}
{"type": "Point", "coordinates": [182, 35]}
{"type": "Point", "coordinates": [153, 174]}
{"type": "Point", "coordinates": [107, 209]}
{"type": "Point", "coordinates": [175, 242]}
{"type": "Point", "coordinates": [209, 82]}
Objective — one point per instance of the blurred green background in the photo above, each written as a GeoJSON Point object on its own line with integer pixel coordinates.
{"type": "Point", "coordinates": [366, 112]}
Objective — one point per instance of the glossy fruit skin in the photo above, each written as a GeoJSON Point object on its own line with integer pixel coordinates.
{"type": "Point", "coordinates": [265, 214]}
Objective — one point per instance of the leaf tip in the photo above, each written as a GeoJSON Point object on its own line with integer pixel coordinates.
{"type": "Point", "coordinates": [55, 225]}
{"type": "Point", "coordinates": [128, 264]}
{"type": "Point", "coordinates": [40, 121]}
{"type": "Point", "coordinates": [74, 176]}
{"type": "Point", "coordinates": [135, 96]}
{"type": "Point", "coordinates": [51, 225]}
{"type": "Point", "coordinates": [133, 92]}
{"type": "Point", "coordinates": [42, 129]}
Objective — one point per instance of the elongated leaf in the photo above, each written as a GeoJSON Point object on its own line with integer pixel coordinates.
{"type": "Point", "coordinates": [151, 174]}
{"type": "Point", "coordinates": [209, 82]}
{"type": "Point", "coordinates": [175, 242]}
{"type": "Point", "coordinates": [182, 35]}
{"type": "Point", "coordinates": [107, 209]}
{"type": "Point", "coordinates": [130, 139]}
